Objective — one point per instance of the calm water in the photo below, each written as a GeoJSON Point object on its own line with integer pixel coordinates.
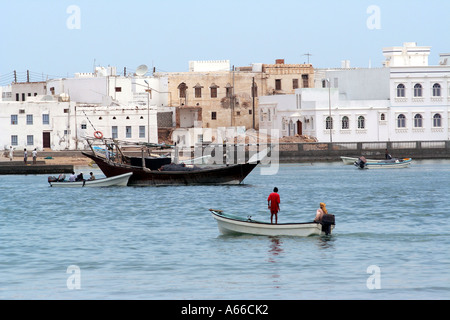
{"type": "Point", "coordinates": [161, 243]}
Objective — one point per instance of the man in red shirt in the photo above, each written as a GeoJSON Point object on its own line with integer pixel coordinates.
{"type": "Point", "coordinates": [273, 202]}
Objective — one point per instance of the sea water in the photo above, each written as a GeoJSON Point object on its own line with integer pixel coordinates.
{"type": "Point", "coordinates": [391, 238]}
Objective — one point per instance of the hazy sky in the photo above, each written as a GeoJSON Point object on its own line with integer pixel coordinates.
{"type": "Point", "coordinates": [59, 37]}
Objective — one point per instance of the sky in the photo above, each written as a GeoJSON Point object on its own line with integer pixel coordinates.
{"type": "Point", "coordinates": [57, 38]}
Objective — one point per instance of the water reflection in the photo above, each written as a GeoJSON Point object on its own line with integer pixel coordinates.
{"type": "Point", "coordinates": [275, 250]}
{"type": "Point", "coordinates": [325, 242]}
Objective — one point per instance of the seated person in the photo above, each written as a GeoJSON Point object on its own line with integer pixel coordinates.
{"type": "Point", "coordinates": [320, 212]}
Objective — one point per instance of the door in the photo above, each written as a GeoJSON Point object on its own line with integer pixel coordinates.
{"type": "Point", "coordinates": [299, 128]}
{"type": "Point", "coordinates": [46, 139]}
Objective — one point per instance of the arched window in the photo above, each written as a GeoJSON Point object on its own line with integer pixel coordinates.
{"type": "Point", "coordinates": [436, 90]}
{"type": "Point", "coordinates": [418, 121]}
{"type": "Point", "coordinates": [382, 117]}
{"type": "Point", "coordinates": [182, 90]}
{"type": "Point", "coordinates": [418, 90]}
{"type": "Point", "coordinates": [401, 90]}
{"type": "Point", "coordinates": [401, 121]}
{"type": "Point", "coordinates": [361, 122]}
{"type": "Point", "coordinates": [345, 122]}
{"type": "Point", "coordinates": [437, 120]}
{"type": "Point", "coordinates": [329, 123]}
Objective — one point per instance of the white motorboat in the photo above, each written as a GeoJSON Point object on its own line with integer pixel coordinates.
{"type": "Point", "coordinates": [384, 164]}
{"type": "Point", "coordinates": [121, 180]}
{"type": "Point", "coordinates": [351, 160]}
{"type": "Point", "coordinates": [229, 224]}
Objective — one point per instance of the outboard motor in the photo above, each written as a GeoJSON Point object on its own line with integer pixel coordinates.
{"type": "Point", "coordinates": [328, 220]}
{"type": "Point", "coordinates": [361, 162]}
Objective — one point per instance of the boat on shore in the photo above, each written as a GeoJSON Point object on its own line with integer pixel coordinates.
{"type": "Point", "coordinates": [120, 180]}
{"type": "Point", "coordinates": [230, 224]}
{"type": "Point", "coordinates": [150, 170]}
{"type": "Point", "coordinates": [362, 163]}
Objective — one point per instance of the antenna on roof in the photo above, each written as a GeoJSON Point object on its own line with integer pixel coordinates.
{"type": "Point", "coordinates": [308, 55]}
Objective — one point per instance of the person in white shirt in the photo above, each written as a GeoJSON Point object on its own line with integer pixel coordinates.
{"type": "Point", "coordinates": [72, 177]}
{"type": "Point", "coordinates": [34, 154]}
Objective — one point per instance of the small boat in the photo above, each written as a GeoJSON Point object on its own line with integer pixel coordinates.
{"type": "Point", "coordinates": [230, 224]}
{"type": "Point", "coordinates": [384, 164]}
{"type": "Point", "coordinates": [351, 160]}
{"type": "Point", "coordinates": [121, 180]}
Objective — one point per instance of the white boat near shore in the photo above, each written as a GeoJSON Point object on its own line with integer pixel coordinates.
{"type": "Point", "coordinates": [121, 180]}
{"type": "Point", "coordinates": [351, 160]}
{"type": "Point", "coordinates": [229, 224]}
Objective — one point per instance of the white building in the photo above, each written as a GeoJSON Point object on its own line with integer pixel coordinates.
{"type": "Point", "coordinates": [42, 122]}
{"type": "Point", "coordinates": [120, 107]}
{"type": "Point", "coordinates": [407, 100]}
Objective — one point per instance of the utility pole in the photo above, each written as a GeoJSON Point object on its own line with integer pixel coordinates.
{"type": "Point", "coordinates": [253, 96]}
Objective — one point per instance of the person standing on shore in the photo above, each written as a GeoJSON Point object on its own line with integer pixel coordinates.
{"type": "Point", "coordinates": [25, 155]}
{"type": "Point", "coordinates": [11, 153]}
{"type": "Point", "coordinates": [273, 203]}
{"type": "Point", "coordinates": [34, 154]}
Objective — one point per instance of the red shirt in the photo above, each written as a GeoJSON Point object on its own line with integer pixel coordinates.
{"type": "Point", "coordinates": [274, 199]}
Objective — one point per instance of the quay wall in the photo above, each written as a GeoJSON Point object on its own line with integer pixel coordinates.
{"type": "Point", "coordinates": [325, 151]}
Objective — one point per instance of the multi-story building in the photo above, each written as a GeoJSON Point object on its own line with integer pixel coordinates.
{"type": "Point", "coordinates": [215, 95]}
{"type": "Point", "coordinates": [64, 111]}
{"type": "Point", "coordinates": [406, 100]}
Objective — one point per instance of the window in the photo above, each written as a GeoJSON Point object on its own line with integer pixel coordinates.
{"type": "Point", "coordinates": [401, 121]}
{"type": "Point", "coordinates": [294, 83]}
{"type": "Point", "coordinates": [345, 122]}
{"type": "Point", "coordinates": [30, 140]}
{"type": "Point", "coordinates": [418, 90]}
{"type": "Point", "coordinates": [418, 121]}
{"type": "Point", "coordinates": [14, 119]}
{"type": "Point", "coordinates": [436, 90]}
{"type": "Point", "coordinates": [14, 140]}
{"type": "Point", "coordinates": [114, 132]}
{"type": "Point", "coordinates": [45, 119]}
{"type": "Point", "coordinates": [437, 120]}
{"type": "Point", "coordinates": [182, 90]}
{"type": "Point", "coordinates": [329, 123]}
{"type": "Point", "coordinates": [361, 122]}
{"type": "Point", "coordinates": [84, 126]}
{"type": "Point", "coordinates": [118, 89]}
{"type": "Point", "coordinates": [382, 117]}
{"type": "Point", "coordinates": [401, 90]}
{"type": "Point", "coordinates": [128, 131]}
{"type": "Point", "coordinates": [17, 97]}
{"type": "Point", "coordinates": [141, 131]}
{"type": "Point", "coordinates": [277, 84]}
{"type": "Point", "coordinates": [198, 92]}
{"type": "Point", "coordinates": [305, 79]}
{"type": "Point", "coordinates": [213, 92]}
{"type": "Point", "coordinates": [29, 119]}
{"type": "Point", "coordinates": [213, 115]}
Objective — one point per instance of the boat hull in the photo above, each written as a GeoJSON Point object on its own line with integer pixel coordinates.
{"type": "Point", "coordinates": [230, 226]}
{"type": "Point", "coordinates": [232, 174]}
{"type": "Point", "coordinates": [120, 180]}
{"type": "Point", "coordinates": [403, 163]}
